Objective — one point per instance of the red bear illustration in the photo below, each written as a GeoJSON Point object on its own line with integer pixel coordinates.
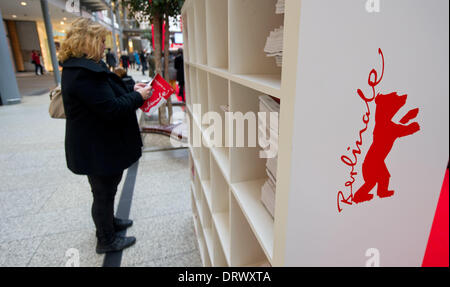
{"type": "Point", "coordinates": [385, 134]}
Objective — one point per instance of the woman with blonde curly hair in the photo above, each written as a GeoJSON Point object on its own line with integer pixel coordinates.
{"type": "Point", "coordinates": [102, 133]}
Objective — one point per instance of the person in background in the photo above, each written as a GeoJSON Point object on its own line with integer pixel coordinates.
{"type": "Point", "coordinates": [151, 65]}
{"type": "Point", "coordinates": [102, 133]}
{"type": "Point", "coordinates": [132, 61]}
{"type": "Point", "coordinates": [137, 60]}
{"type": "Point", "coordinates": [36, 60]}
{"type": "Point", "coordinates": [124, 59]}
{"type": "Point", "coordinates": [128, 80]}
{"type": "Point", "coordinates": [110, 60]}
{"type": "Point", "coordinates": [179, 66]}
{"type": "Point", "coordinates": [143, 60]}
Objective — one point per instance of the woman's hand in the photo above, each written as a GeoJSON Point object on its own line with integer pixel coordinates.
{"type": "Point", "coordinates": [139, 86]}
{"type": "Point", "coordinates": [145, 92]}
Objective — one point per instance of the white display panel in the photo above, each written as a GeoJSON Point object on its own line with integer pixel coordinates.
{"type": "Point", "coordinates": [339, 44]}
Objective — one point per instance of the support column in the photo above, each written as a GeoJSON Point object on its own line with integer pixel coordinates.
{"type": "Point", "coordinates": [51, 42]}
{"type": "Point", "coordinates": [120, 28]}
{"type": "Point", "coordinates": [15, 45]}
{"type": "Point", "coordinates": [9, 92]}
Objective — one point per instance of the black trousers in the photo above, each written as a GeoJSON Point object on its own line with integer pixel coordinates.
{"type": "Point", "coordinates": [104, 190]}
{"type": "Point", "coordinates": [38, 67]}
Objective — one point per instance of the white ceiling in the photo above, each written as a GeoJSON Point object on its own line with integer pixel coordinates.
{"type": "Point", "coordinates": [33, 12]}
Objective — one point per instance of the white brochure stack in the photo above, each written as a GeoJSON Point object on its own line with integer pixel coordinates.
{"type": "Point", "coordinates": [280, 7]}
{"type": "Point", "coordinates": [274, 45]}
{"type": "Point", "coordinates": [270, 126]}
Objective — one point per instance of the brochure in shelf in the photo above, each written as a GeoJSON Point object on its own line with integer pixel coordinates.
{"type": "Point", "coordinates": [280, 7]}
{"type": "Point", "coordinates": [274, 45]}
{"type": "Point", "coordinates": [268, 105]}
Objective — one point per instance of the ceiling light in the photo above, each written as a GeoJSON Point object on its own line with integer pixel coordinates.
{"type": "Point", "coordinates": [64, 18]}
{"type": "Point", "coordinates": [14, 16]}
{"type": "Point", "coordinates": [62, 22]}
{"type": "Point", "coordinates": [23, 3]}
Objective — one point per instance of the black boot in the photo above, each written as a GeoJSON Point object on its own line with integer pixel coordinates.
{"type": "Point", "coordinates": [121, 224]}
{"type": "Point", "coordinates": [119, 243]}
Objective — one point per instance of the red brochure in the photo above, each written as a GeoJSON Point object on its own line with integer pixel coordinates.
{"type": "Point", "coordinates": [161, 92]}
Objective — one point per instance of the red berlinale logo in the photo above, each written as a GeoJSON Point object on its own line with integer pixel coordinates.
{"type": "Point", "coordinates": [386, 132]}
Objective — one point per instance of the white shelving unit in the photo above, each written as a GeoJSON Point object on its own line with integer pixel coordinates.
{"type": "Point", "coordinates": [323, 65]}
{"type": "Point", "coordinates": [225, 65]}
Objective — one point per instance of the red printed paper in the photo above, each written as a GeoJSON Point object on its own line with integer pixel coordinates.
{"type": "Point", "coordinates": [161, 92]}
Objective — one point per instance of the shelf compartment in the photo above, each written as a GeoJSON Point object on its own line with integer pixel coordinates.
{"type": "Point", "coordinates": [245, 249]}
{"type": "Point", "coordinates": [192, 167]}
{"type": "Point", "coordinates": [220, 206]}
{"type": "Point", "coordinates": [203, 227]}
{"type": "Point", "coordinates": [200, 31]}
{"type": "Point", "coordinates": [218, 98]}
{"type": "Point", "coordinates": [219, 189]}
{"type": "Point", "coordinates": [191, 34]}
{"type": "Point", "coordinates": [217, 33]}
{"type": "Point", "coordinates": [204, 161]}
{"type": "Point", "coordinates": [206, 184]}
{"type": "Point", "coordinates": [202, 85]}
{"type": "Point", "coordinates": [221, 155]}
{"type": "Point", "coordinates": [219, 258]}
{"type": "Point", "coordinates": [204, 255]}
{"type": "Point", "coordinates": [193, 203]}
{"type": "Point", "coordinates": [267, 84]}
{"type": "Point", "coordinates": [218, 93]}
{"type": "Point", "coordinates": [245, 161]}
{"type": "Point", "coordinates": [208, 233]}
{"type": "Point", "coordinates": [222, 224]}
{"type": "Point", "coordinates": [250, 23]}
{"type": "Point", "coordinates": [248, 197]}
{"type": "Point", "coordinates": [184, 17]}
{"type": "Point", "coordinates": [196, 142]}
{"type": "Point", "coordinates": [198, 191]}
{"type": "Point", "coordinates": [264, 83]}
{"type": "Point", "coordinates": [187, 82]}
{"type": "Point", "coordinates": [205, 213]}
{"type": "Point", "coordinates": [193, 85]}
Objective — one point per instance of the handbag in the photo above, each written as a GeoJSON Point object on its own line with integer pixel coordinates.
{"type": "Point", "coordinates": [56, 109]}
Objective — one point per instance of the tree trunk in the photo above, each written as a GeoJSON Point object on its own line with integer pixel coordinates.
{"type": "Point", "coordinates": [166, 62]}
{"type": "Point", "coordinates": [157, 48]}
{"type": "Point", "coordinates": [157, 31]}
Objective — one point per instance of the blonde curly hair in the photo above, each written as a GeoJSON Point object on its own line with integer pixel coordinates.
{"type": "Point", "coordinates": [84, 39]}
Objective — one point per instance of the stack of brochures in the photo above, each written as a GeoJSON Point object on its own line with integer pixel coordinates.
{"type": "Point", "coordinates": [280, 7]}
{"type": "Point", "coordinates": [274, 45]}
{"type": "Point", "coordinates": [268, 133]}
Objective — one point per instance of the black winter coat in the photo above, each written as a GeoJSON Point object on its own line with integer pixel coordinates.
{"type": "Point", "coordinates": [129, 83]}
{"type": "Point", "coordinates": [102, 132]}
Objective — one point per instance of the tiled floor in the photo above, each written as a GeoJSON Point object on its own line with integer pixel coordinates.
{"type": "Point", "coordinates": [45, 209]}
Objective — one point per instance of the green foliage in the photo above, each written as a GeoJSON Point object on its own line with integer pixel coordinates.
{"type": "Point", "coordinates": [142, 10]}
{"type": "Point", "coordinates": [147, 34]}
